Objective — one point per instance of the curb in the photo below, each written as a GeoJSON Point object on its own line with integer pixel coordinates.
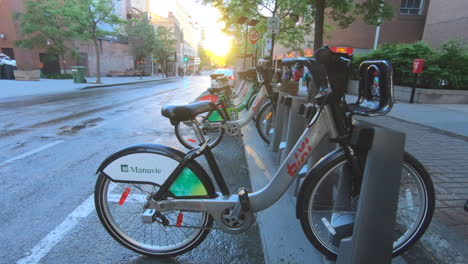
{"type": "Point", "coordinates": [117, 84]}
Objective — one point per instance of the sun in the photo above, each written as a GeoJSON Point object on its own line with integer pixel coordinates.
{"type": "Point", "coordinates": [218, 43]}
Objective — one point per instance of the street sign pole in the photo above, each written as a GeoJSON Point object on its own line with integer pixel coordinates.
{"type": "Point", "coordinates": [245, 49]}
{"type": "Point", "coordinates": [256, 49]}
{"type": "Point", "coordinates": [254, 36]}
{"type": "Point", "coordinates": [273, 27]}
{"type": "Point", "coordinates": [413, 90]}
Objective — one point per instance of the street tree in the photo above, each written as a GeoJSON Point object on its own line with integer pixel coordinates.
{"type": "Point", "coordinates": [164, 48]}
{"type": "Point", "coordinates": [91, 20]}
{"type": "Point", "coordinates": [141, 37]}
{"type": "Point", "coordinates": [291, 32]}
{"type": "Point", "coordinates": [43, 26]}
{"type": "Point", "coordinates": [298, 17]}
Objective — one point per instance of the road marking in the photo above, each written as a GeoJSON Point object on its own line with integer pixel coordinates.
{"type": "Point", "coordinates": [32, 152]}
{"type": "Point", "coordinates": [48, 242]}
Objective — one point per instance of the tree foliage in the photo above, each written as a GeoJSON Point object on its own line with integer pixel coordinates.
{"type": "Point", "coordinates": [309, 13]}
{"type": "Point", "coordinates": [43, 26]}
{"type": "Point", "coordinates": [291, 33]}
{"type": "Point", "coordinates": [164, 47]}
{"type": "Point", "coordinates": [141, 36]}
{"type": "Point", "coordinates": [449, 63]}
{"type": "Point", "coordinates": [92, 20]}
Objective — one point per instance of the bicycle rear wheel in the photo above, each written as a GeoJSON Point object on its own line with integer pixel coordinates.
{"type": "Point", "coordinates": [326, 219]}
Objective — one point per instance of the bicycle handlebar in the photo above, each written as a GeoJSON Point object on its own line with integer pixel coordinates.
{"type": "Point", "coordinates": [326, 63]}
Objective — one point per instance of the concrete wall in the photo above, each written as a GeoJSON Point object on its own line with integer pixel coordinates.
{"type": "Point", "coordinates": [422, 96]}
{"type": "Point", "coordinates": [446, 20]}
{"type": "Point", "coordinates": [114, 56]}
{"type": "Point", "coordinates": [401, 29]}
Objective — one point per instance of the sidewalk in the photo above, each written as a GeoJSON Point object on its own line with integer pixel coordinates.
{"type": "Point", "coordinates": [437, 135]}
{"type": "Point", "coordinates": [13, 88]}
{"type": "Point", "coordinates": [452, 118]}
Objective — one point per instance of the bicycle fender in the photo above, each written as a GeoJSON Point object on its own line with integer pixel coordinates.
{"type": "Point", "coordinates": [146, 163]}
{"type": "Point", "coordinates": [315, 170]}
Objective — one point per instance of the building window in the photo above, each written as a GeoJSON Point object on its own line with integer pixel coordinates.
{"type": "Point", "coordinates": [411, 7]}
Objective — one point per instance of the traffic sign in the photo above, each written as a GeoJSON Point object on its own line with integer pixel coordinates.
{"type": "Point", "coordinates": [254, 36]}
{"type": "Point", "coordinates": [273, 25]}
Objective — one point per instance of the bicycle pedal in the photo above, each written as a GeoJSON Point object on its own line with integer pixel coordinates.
{"type": "Point", "coordinates": [147, 216]}
{"type": "Point", "coordinates": [244, 199]}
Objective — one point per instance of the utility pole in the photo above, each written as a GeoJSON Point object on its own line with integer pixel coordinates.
{"type": "Point", "coordinates": [379, 21]}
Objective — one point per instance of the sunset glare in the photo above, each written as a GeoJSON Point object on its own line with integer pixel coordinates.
{"type": "Point", "coordinates": [207, 17]}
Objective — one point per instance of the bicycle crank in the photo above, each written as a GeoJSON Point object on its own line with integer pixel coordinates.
{"type": "Point", "coordinates": [232, 128]}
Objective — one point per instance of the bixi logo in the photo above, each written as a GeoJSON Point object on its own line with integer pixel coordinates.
{"type": "Point", "coordinates": [124, 168]}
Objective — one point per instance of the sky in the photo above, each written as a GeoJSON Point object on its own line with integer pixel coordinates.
{"type": "Point", "coordinates": [206, 16]}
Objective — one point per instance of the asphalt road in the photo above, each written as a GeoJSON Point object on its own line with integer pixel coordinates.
{"type": "Point", "coordinates": [50, 147]}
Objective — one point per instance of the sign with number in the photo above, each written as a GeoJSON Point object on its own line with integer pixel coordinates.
{"type": "Point", "coordinates": [254, 36]}
{"type": "Point", "coordinates": [418, 65]}
{"type": "Point", "coordinates": [273, 25]}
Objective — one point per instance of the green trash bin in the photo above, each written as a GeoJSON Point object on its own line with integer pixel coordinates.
{"type": "Point", "coordinates": [78, 74]}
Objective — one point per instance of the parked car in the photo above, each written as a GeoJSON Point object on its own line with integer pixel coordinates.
{"type": "Point", "coordinates": [227, 72]}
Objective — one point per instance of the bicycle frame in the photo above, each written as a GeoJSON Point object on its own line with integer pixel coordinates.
{"type": "Point", "coordinates": [262, 94]}
{"type": "Point", "coordinates": [324, 123]}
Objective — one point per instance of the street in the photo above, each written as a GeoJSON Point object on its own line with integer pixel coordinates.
{"type": "Point", "coordinates": [51, 146]}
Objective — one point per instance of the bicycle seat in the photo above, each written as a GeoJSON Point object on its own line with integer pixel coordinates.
{"type": "Point", "coordinates": [186, 112]}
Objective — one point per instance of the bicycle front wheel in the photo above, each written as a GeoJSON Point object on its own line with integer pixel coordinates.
{"type": "Point", "coordinates": [327, 218]}
{"type": "Point", "coordinates": [186, 135]}
{"type": "Point", "coordinates": [120, 207]}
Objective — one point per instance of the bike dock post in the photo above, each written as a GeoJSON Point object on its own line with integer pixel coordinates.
{"type": "Point", "coordinates": [372, 239]}
{"type": "Point", "coordinates": [281, 114]}
{"type": "Point", "coordinates": [295, 124]}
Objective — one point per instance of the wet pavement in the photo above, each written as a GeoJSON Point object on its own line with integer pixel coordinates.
{"type": "Point", "coordinates": [50, 147]}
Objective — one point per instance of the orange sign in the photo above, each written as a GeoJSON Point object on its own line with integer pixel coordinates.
{"type": "Point", "coordinates": [308, 52]}
{"type": "Point", "coordinates": [254, 36]}
{"type": "Point", "coordinates": [347, 50]}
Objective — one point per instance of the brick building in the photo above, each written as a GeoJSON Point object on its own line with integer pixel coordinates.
{"type": "Point", "coordinates": [406, 26]}
{"type": "Point", "coordinates": [114, 51]}
{"type": "Point", "coordinates": [433, 21]}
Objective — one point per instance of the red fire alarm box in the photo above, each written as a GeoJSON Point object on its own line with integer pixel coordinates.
{"type": "Point", "coordinates": [418, 65]}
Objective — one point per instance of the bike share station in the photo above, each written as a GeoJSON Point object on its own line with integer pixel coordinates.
{"type": "Point", "coordinates": [338, 178]}
{"type": "Point", "coordinates": [372, 232]}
